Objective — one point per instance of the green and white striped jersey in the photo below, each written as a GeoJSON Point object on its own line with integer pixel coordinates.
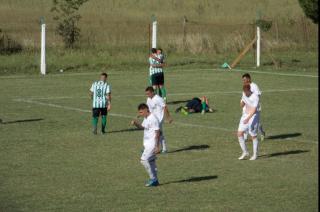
{"type": "Point", "coordinates": [154, 70]}
{"type": "Point", "coordinates": [100, 92]}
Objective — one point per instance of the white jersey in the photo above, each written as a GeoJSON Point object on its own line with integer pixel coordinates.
{"type": "Point", "coordinates": [250, 102]}
{"type": "Point", "coordinates": [255, 90]}
{"type": "Point", "coordinates": [150, 125]}
{"type": "Point", "coordinates": [156, 106]}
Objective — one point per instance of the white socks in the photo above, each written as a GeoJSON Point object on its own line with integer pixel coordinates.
{"type": "Point", "coordinates": [255, 146]}
{"type": "Point", "coordinates": [151, 168]}
{"type": "Point", "coordinates": [242, 144]}
{"type": "Point", "coordinates": [163, 143]}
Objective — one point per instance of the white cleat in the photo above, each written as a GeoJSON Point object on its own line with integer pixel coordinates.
{"type": "Point", "coordinates": [244, 155]}
{"type": "Point", "coordinates": [254, 157]}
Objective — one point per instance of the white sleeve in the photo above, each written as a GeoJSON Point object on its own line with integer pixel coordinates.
{"type": "Point", "coordinates": [108, 89]}
{"type": "Point", "coordinates": [255, 89]}
{"type": "Point", "coordinates": [91, 89]}
{"type": "Point", "coordinates": [255, 101]}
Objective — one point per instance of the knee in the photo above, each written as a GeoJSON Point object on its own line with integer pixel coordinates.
{"type": "Point", "coordinates": [239, 133]}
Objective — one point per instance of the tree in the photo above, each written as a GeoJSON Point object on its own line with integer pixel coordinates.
{"type": "Point", "coordinates": [310, 9]}
{"type": "Point", "coordinates": [66, 13]}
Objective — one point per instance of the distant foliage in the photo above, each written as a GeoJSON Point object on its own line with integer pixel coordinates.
{"type": "Point", "coordinates": [66, 13]}
{"type": "Point", "coordinates": [310, 8]}
{"type": "Point", "coordinates": [8, 45]}
{"type": "Point", "coordinates": [264, 25]}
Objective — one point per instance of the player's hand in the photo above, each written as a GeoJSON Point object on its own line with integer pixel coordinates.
{"type": "Point", "coordinates": [157, 149]}
{"type": "Point", "coordinates": [133, 122]}
{"type": "Point", "coordinates": [109, 107]}
{"type": "Point", "coordinates": [246, 121]}
{"type": "Point", "coordinates": [170, 120]}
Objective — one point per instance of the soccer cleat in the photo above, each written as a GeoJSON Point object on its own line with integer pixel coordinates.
{"type": "Point", "coordinates": [203, 112]}
{"type": "Point", "coordinates": [165, 99]}
{"type": "Point", "coordinates": [164, 151]}
{"type": "Point", "coordinates": [254, 157]}
{"type": "Point", "coordinates": [244, 155]}
{"type": "Point", "coordinates": [103, 132]}
{"type": "Point", "coordinates": [152, 183]}
{"type": "Point", "coordinates": [184, 111]}
{"type": "Point", "coordinates": [95, 131]}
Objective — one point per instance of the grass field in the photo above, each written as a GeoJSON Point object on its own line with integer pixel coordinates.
{"type": "Point", "coordinates": [50, 161]}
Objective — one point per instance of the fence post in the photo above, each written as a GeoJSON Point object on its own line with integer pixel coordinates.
{"type": "Point", "coordinates": [184, 32]}
{"type": "Point", "coordinates": [43, 47]}
{"type": "Point", "coordinates": [154, 32]}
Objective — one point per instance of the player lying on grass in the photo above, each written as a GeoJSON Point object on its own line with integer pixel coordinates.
{"type": "Point", "coordinates": [151, 143]}
{"type": "Point", "coordinates": [246, 80]}
{"type": "Point", "coordinates": [158, 107]}
{"type": "Point", "coordinates": [249, 121]}
{"type": "Point", "coordinates": [196, 105]}
{"type": "Point", "coordinates": [100, 93]}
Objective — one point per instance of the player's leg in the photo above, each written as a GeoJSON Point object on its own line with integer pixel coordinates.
{"type": "Point", "coordinates": [253, 131]}
{"type": "Point", "coordinates": [148, 161]}
{"type": "Point", "coordinates": [162, 139]}
{"type": "Point", "coordinates": [262, 132]}
{"type": "Point", "coordinates": [95, 117]}
{"type": "Point", "coordinates": [103, 120]}
{"type": "Point", "coordinates": [241, 129]}
{"type": "Point", "coordinates": [162, 88]}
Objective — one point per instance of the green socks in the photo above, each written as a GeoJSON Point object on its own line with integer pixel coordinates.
{"type": "Point", "coordinates": [204, 106]}
{"type": "Point", "coordinates": [95, 124]}
{"type": "Point", "coordinates": [163, 92]}
{"type": "Point", "coordinates": [104, 123]}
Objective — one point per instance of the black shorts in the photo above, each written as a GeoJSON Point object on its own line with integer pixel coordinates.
{"type": "Point", "coordinates": [157, 79]}
{"type": "Point", "coordinates": [97, 111]}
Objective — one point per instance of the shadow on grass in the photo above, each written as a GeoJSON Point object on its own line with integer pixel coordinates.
{"type": "Point", "coordinates": [193, 179]}
{"type": "Point", "coordinates": [20, 121]}
{"type": "Point", "coordinates": [284, 136]}
{"type": "Point", "coordinates": [124, 130]}
{"type": "Point", "coordinates": [194, 147]}
{"type": "Point", "coordinates": [276, 154]}
{"type": "Point", "coordinates": [177, 102]}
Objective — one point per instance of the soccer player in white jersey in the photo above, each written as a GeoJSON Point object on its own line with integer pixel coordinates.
{"type": "Point", "coordinates": [151, 136]}
{"type": "Point", "coordinates": [158, 107]}
{"type": "Point", "coordinates": [246, 79]}
{"type": "Point", "coordinates": [100, 93]}
{"type": "Point", "coordinates": [249, 122]}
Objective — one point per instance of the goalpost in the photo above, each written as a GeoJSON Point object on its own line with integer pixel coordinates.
{"type": "Point", "coordinates": [43, 47]}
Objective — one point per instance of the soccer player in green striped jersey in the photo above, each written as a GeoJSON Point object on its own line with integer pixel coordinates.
{"type": "Point", "coordinates": [100, 93]}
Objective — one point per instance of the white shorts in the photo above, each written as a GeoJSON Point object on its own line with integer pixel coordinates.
{"type": "Point", "coordinates": [148, 154]}
{"type": "Point", "coordinates": [252, 126]}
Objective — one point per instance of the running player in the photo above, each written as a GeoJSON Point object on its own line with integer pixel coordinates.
{"type": "Point", "coordinates": [100, 93]}
{"type": "Point", "coordinates": [158, 107]}
{"type": "Point", "coordinates": [246, 79]}
{"type": "Point", "coordinates": [249, 122]}
{"type": "Point", "coordinates": [151, 136]}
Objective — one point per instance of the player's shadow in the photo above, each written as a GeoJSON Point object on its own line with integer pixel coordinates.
{"type": "Point", "coordinates": [20, 121]}
{"type": "Point", "coordinates": [193, 179]}
{"type": "Point", "coordinates": [284, 136]}
{"type": "Point", "coordinates": [177, 102]}
{"type": "Point", "coordinates": [189, 148]}
{"type": "Point", "coordinates": [277, 154]}
{"type": "Point", "coordinates": [124, 130]}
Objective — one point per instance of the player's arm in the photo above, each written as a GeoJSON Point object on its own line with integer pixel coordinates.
{"type": "Point", "coordinates": [251, 113]}
{"type": "Point", "coordinates": [242, 104]}
{"type": "Point", "coordinates": [167, 114]}
{"type": "Point", "coordinates": [137, 124]}
{"type": "Point", "coordinates": [109, 101]}
{"type": "Point", "coordinates": [91, 92]}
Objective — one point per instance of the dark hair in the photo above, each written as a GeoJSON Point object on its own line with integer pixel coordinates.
{"type": "Point", "coordinates": [246, 87]}
{"type": "Point", "coordinates": [143, 106]}
{"type": "Point", "coordinates": [150, 88]}
{"type": "Point", "coordinates": [160, 50]}
{"type": "Point", "coordinates": [153, 50]}
{"type": "Point", "coordinates": [246, 75]}
{"type": "Point", "coordinates": [104, 74]}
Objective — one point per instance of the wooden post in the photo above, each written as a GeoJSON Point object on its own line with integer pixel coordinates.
{"type": "Point", "coordinates": [244, 51]}
{"type": "Point", "coordinates": [184, 32]}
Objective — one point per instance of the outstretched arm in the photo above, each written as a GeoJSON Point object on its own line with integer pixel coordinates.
{"type": "Point", "coordinates": [167, 114]}
{"type": "Point", "coordinates": [137, 124]}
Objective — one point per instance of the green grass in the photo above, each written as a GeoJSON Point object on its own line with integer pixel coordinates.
{"type": "Point", "coordinates": [57, 164]}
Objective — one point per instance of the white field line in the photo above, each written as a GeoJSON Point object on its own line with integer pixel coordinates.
{"type": "Point", "coordinates": [178, 94]}
{"type": "Point", "coordinates": [204, 69]}
{"type": "Point", "coordinates": [132, 117]}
